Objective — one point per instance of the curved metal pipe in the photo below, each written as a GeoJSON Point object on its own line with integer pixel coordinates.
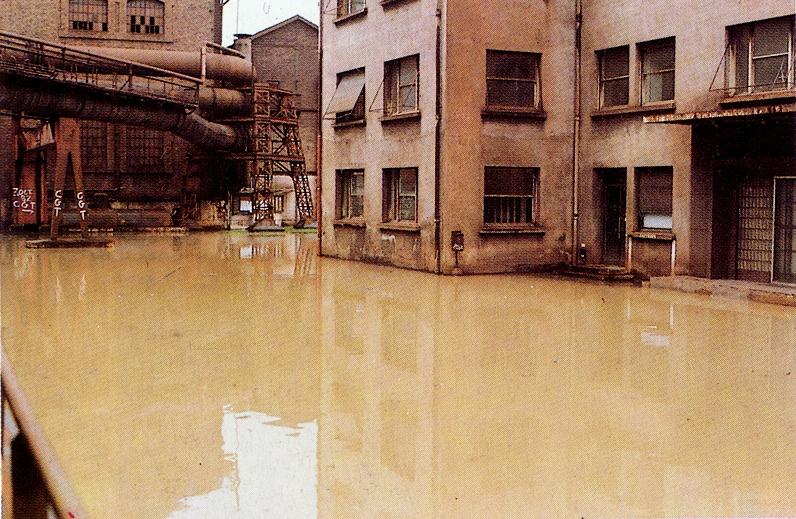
{"type": "Point", "coordinates": [45, 102]}
{"type": "Point", "coordinates": [224, 100]}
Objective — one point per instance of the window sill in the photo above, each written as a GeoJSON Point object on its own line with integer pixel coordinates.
{"type": "Point", "coordinates": [512, 230]}
{"type": "Point", "coordinates": [497, 112]}
{"type": "Point", "coordinates": [665, 106]}
{"type": "Point", "coordinates": [759, 98]}
{"type": "Point", "coordinates": [348, 17]}
{"type": "Point", "coordinates": [400, 226]}
{"type": "Point", "coordinates": [410, 116]}
{"type": "Point", "coordinates": [349, 124]}
{"type": "Point", "coordinates": [389, 3]}
{"type": "Point", "coordinates": [357, 223]}
{"type": "Point", "coordinates": [652, 234]}
{"type": "Point", "coordinates": [110, 36]}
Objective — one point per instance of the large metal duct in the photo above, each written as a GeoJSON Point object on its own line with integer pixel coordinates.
{"type": "Point", "coordinates": [218, 66]}
{"type": "Point", "coordinates": [40, 100]}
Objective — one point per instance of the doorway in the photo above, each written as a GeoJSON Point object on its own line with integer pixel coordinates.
{"type": "Point", "coordinates": [614, 217]}
{"type": "Point", "coordinates": [785, 230]}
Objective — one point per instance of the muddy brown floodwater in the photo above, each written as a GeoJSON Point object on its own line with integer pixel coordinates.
{"type": "Point", "coordinates": [228, 375]}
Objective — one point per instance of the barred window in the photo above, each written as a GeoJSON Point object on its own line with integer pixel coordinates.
{"type": "Point", "coordinates": [510, 195]}
{"type": "Point", "coordinates": [399, 195]}
{"type": "Point", "coordinates": [88, 15]}
{"type": "Point", "coordinates": [350, 193]}
{"type": "Point", "coordinates": [94, 146]}
{"type": "Point", "coordinates": [401, 88]}
{"type": "Point", "coordinates": [512, 79]}
{"type": "Point", "coordinates": [657, 71]}
{"type": "Point", "coordinates": [145, 150]}
{"type": "Point", "coordinates": [654, 195]}
{"type": "Point", "coordinates": [614, 76]}
{"type": "Point", "coordinates": [146, 16]}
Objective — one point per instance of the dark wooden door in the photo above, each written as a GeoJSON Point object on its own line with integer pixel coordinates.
{"type": "Point", "coordinates": [614, 217]}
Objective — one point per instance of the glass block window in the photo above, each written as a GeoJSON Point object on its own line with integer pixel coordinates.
{"type": "Point", "coordinates": [88, 15]}
{"type": "Point", "coordinates": [146, 16]}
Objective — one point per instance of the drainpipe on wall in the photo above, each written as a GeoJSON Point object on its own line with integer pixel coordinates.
{"type": "Point", "coordinates": [576, 135]}
{"type": "Point", "coordinates": [319, 137]}
{"type": "Point", "coordinates": [437, 147]}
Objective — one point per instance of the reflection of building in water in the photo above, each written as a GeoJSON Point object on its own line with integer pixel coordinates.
{"type": "Point", "coordinates": [274, 471]}
{"type": "Point", "coordinates": [467, 398]}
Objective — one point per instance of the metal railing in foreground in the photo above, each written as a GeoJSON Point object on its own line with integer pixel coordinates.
{"type": "Point", "coordinates": [34, 484]}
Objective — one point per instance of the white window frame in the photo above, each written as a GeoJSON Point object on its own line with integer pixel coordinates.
{"type": "Point", "coordinates": [391, 179]}
{"type": "Point", "coordinates": [393, 86]}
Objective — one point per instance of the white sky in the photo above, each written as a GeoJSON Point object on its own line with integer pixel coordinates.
{"type": "Point", "coordinates": [251, 16]}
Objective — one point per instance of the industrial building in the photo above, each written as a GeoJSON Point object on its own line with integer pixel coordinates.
{"type": "Point", "coordinates": [657, 137]}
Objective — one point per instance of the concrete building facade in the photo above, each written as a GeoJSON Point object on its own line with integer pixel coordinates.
{"type": "Point", "coordinates": [136, 177]}
{"type": "Point", "coordinates": [656, 136]}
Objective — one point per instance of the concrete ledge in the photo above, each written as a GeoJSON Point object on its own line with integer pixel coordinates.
{"type": "Point", "coordinates": [760, 292]}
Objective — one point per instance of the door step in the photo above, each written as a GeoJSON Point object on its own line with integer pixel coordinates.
{"type": "Point", "coordinates": [599, 272]}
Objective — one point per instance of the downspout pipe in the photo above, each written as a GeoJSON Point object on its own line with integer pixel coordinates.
{"type": "Point", "coordinates": [319, 139]}
{"type": "Point", "coordinates": [42, 101]}
{"type": "Point", "coordinates": [576, 120]}
{"type": "Point", "coordinates": [438, 146]}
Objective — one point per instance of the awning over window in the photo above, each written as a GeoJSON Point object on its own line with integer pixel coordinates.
{"type": "Point", "coordinates": [731, 113]}
{"type": "Point", "coordinates": [348, 91]}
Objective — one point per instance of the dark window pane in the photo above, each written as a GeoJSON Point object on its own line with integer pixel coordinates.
{"type": "Point", "coordinates": [615, 62]}
{"type": "Point", "coordinates": [616, 92]}
{"type": "Point", "coordinates": [408, 182]}
{"type": "Point", "coordinates": [508, 181]}
{"type": "Point", "coordinates": [741, 46]}
{"type": "Point", "coordinates": [772, 37]}
{"type": "Point", "coordinates": [654, 191]}
{"type": "Point", "coordinates": [658, 56]}
{"type": "Point", "coordinates": [659, 87]}
{"type": "Point", "coordinates": [510, 93]}
{"type": "Point", "coordinates": [504, 64]}
{"type": "Point", "coordinates": [770, 73]}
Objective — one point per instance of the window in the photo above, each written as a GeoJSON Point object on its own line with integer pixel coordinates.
{"type": "Point", "coordinates": [401, 82]}
{"type": "Point", "coordinates": [278, 203]}
{"type": "Point", "coordinates": [350, 193]}
{"type": "Point", "coordinates": [399, 190]}
{"type": "Point", "coordinates": [146, 16]}
{"type": "Point", "coordinates": [348, 103]}
{"type": "Point", "coordinates": [654, 196]}
{"type": "Point", "coordinates": [657, 71]}
{"type": "Point", "coordinates": [614, 76]}
{"type": "Point", "coordinates": [88, 15]}
{"type": "Point", "coordinates": [509, 195]}
{"type": "Point", "coordinates": [94, 146]}
{"type": "Point", "coordinates": [512, 79]}
{"type": "Point", "coordinates": [348, 7]}
{"type": "Point", "coordinates": [145, 150]}
{"type": "Point", "coordinates": [762, 56]}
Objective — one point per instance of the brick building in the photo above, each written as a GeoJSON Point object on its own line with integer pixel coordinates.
{"type": "Point", "coordinates": [506, 136]}
{"type": "Point", "coordinates": [134, 176]}
{"type": "Point", "coordinates": [287, 52]}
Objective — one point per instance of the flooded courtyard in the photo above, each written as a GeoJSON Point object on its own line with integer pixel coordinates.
{"type": "Point", "coordinates": [234, 375]}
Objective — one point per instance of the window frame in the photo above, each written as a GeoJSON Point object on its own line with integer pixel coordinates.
{"type": "Point", "coordinates": [345, 8]}
{"type": "Point", "coordinates": [533, 196]}
{"type": "Point", "coordinates": [84, 25]}
{"type": "Point", "coordinates": [641, 211]}
{"type": "Point", "coordinates": [645, 48]}
{"type": "Point", "coordinates": [358, 114]}
{"type": "Point", "coordinates": [149, 29]}
{"type": "Point", "coordinates": [534, 79]}
{"type": "Point", "coordinates": [345, 184]}
{"type": "Point", "coordinates": [392, 195]}
{"type": "Point", "coordinates": [602, 80]}
{"type": "Point", "coordinates": [393, 86]}
{"type": "Point", "coordinates": [744, 34]}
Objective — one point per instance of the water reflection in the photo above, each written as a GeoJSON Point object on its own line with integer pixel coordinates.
{"type": "Point", "coordinates": [274, 471]}
{"type": "Point", "coordinates": [401, 394]}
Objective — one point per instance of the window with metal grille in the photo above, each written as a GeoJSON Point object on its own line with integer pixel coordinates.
{"type": "Point", "coordinates": [657, 71]}
{"type": "Point", "coordinates": [348, 7]}
{"type": "Point", "coordinates": [512, 79]}
{"type": "Point", "coordinates": [94, 146]}
{"type": "Point", "coordinates": [399, 195]}
{"type": "Point", "coordinates": [145, 150]}
{"type": "Point", "coordinates": [350, 193]}
{"type": "Point", "coordinates": [510, 195]}
{"type": "Point", "coordinates": [762, 56]}
{"type": "Point", "coordinates": [614, 76]}
{"type": "Point", "coordinates": [88, 15]}
{"type": "Point", "coordinates": [146, 16]}
{"type": "Point", "coordinates": [654, 197]}
{"type": "Point", "coordinates": [401, 86]}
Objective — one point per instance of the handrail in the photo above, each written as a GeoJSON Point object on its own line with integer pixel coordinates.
{"type": "Point", "coordinates": [225, 50]}
{"type": "Point", "coordinates": [63, 498]}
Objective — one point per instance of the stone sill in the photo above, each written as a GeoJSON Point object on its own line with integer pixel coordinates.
{"type": "Point", "coordinates": [400, 227]}
{"type": "Point", "coordinates": [389, 3]}
{"type": "Point", "coordinates": [410, 116]}
{"type": "Point", "coordinates": [358, 223]}
{"type": "Point", "coordinates": [652, 235]}
{"type": "Point", "coordinates": [512, 230]}
{"type": "Point", "coordinates": [760, 97]}
{"type": "Point", "coordinates": [667, 106]}
{"type": "Point", "coordinates": [349, 124]}
{"type": "Point", "coordinates": [353, 16]}
{"type": "Point", "coordinates": [496, 112]}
